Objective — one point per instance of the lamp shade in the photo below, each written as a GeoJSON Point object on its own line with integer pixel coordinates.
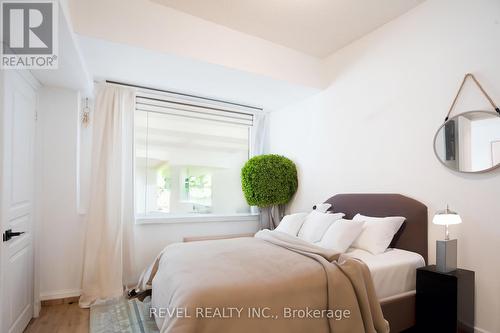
{"type": "Point", "coordinates": [446, 217]}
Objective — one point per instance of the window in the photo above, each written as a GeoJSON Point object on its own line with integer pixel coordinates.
{"type": "Point", "coordinates": [188, 159]}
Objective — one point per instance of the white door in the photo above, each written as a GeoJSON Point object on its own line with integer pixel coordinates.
{"type": "Point", "coordinates": [17, 129]}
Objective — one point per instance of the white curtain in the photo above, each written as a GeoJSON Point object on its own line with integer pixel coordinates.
{"type": "Point", "coordinates": [258, 147]}
{"type": "Point", "coordinates": [110, 214]}
{"type": "Point", "coordinates": [259, 134]}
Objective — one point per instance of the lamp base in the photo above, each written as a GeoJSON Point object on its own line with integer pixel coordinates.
{"type": "Point", "coordinates": [446, 255]}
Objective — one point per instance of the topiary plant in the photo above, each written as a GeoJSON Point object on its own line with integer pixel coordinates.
{"type": "Point", "coordinates": [269, 182]}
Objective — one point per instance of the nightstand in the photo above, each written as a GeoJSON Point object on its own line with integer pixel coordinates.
{"type": "Point", "coordinates": [445, 301]}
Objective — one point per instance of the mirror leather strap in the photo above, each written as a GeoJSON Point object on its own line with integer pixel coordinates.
{"type": "Point", "coordinates": [480, 88]}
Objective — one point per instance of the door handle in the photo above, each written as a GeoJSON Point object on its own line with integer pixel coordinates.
{"type": "Point", "coordinates": [8, 234]}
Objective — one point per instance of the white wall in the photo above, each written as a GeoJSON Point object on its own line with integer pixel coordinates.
{"type": "Point", "coordinates": [372, 129]}
{"type": "Point", "coordinates": [62, 229]}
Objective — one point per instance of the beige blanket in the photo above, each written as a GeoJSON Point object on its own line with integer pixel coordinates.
{"type": "Point", "coordinates": [270, 283]}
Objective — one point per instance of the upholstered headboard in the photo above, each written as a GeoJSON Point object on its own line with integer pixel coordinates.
{"type": "Point", "coordinates": [413, 234]}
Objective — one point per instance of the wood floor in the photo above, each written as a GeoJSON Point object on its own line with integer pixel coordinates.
{"type": "Point", "coordinates": [60, 318]}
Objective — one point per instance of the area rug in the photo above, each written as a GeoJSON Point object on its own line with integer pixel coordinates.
{"type": "Point", "coordinates": [122, 316]}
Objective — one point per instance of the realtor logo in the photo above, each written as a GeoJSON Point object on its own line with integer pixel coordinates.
{"type": "Point", "coordinates": [29, 34]}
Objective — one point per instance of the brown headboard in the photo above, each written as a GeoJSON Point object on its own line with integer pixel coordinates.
{"type": "Point", "coordinates": [413, 234]}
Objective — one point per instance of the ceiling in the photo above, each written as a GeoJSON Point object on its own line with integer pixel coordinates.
{"type": "Point", "coordinates": [314, 27]}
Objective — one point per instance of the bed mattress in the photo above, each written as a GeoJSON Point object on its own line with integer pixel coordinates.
{"type": "Point", "coordinates": [393, 272]}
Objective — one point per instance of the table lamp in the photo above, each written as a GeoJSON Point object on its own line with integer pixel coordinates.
{"type": "Point", "coordinates": [446, 250]}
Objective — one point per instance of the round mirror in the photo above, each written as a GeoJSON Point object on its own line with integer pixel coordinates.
{"type": "Point", "coordinates": [469, 142]}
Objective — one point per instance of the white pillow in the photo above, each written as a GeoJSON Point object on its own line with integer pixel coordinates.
{"type": "Point", "coordinates": [322, 207]}
{"type": "Point", "coordinates": [377, 232]}
{"type": "Point", "coordinates": [341, 234]}
{"type": "Point", "coordinates": [291, 224]}
{"type": "Point", "coordinates": [315, 225]}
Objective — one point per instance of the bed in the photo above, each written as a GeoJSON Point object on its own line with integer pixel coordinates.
{"type": "Point", "coordinates": [399, 309]}
{"type": "Point", "coordinates": [202, 274]}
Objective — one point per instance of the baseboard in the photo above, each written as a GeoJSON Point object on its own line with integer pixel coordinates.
{"type": "Point", "coordinates": [60, 294]}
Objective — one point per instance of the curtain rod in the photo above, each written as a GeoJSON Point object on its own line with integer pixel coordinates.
{"type": "Point", "coordinates": [181, 94]}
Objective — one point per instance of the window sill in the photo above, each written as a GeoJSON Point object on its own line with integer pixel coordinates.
{"type": "Point", "coordinates": [200, 218]}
